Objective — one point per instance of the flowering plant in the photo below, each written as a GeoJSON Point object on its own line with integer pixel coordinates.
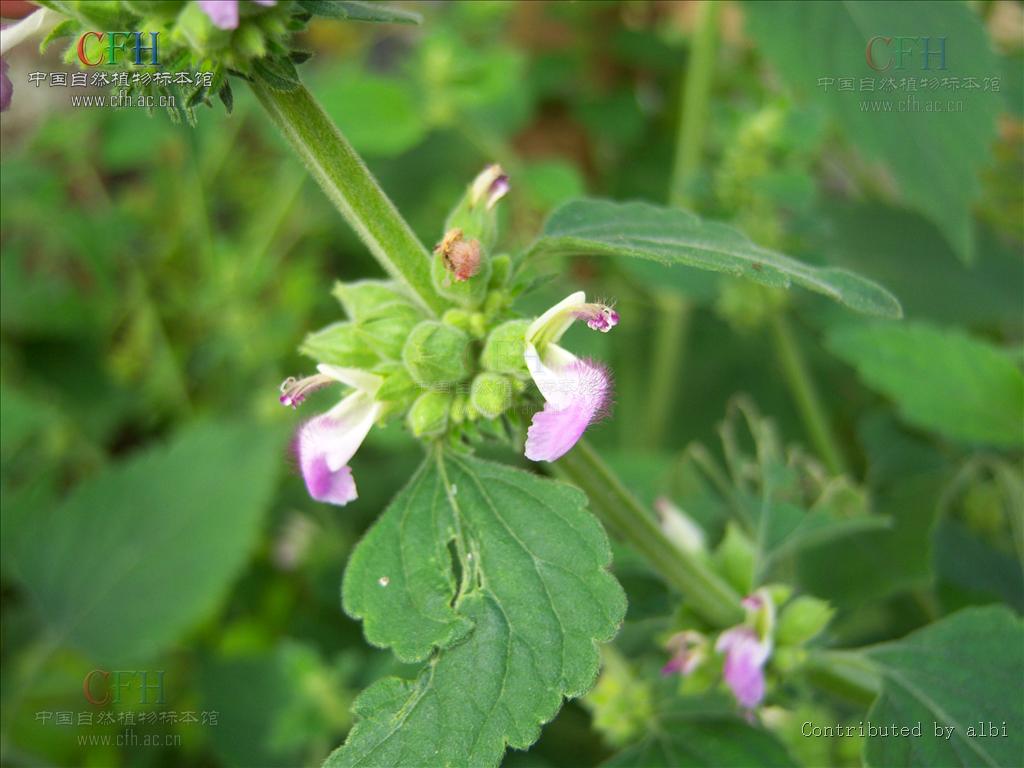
{"type": "Point", "coordinates": [523, 561]}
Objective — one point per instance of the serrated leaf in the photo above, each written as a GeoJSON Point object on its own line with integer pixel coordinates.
{"type": "Point", "coordinates": [808, 41]}
{"type": "Point", "coordinates": [353, 10]}
{"type": "Point", "coordinates": [145, 549]}
{"type": "Point", "coordinates": [941, 380]}
{"type": "Point", "coordinates": [672, 236]}
{"type": "Point", "coordinates": [516, 632]}
{"type": "Point", "coordinates": [960, 672]}
{"type": "Point", "coordinates": [692, 736]}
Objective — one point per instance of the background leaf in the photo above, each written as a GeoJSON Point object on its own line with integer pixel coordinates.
{"type": "Point", "coordinates": [959, 672]}
{"type": "Point", "coordinates": [532, 586]}
{"type": "Point", "coordinates": [935, 157]}
{"type": "Point", "coordinates": [942, 380]}
{"type": "Point", "coordinates": [693, 734]}
{"type": "Point", "coordinates": [164, 531]}
{"type": "Point", "coordinates": [673, 236]}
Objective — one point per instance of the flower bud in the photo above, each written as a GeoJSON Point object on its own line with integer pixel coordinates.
{"type": "Point", "coordinates": [735, 558]}
{"type": "Point", "coordinates": [802, 619]}
{"type": "Point", "coordinates": [491, 394]}
{"type": "Point", "coordinates": [504, 348]}
{"type": "Point", "coordinates": [475, 213]}
{"type": "Point", "coordinates": [435, 353]}
{"type": "Point", "coordinates": [459, 270]}
{"type": "Point", "coordinates": [428, 416]}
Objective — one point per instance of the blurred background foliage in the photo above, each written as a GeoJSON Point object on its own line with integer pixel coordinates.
{"type": "Point", "coordinates": [157, 281]}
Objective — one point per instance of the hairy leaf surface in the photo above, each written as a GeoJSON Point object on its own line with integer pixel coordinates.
{"type": "Point", "coordinates": [505, 637]}
{"type": "Point", "coordinates": [956, 673]}
{"type": "Point", "coordinates": [672, 236]}
{"type": "Point", "coordinates": [942, 380]}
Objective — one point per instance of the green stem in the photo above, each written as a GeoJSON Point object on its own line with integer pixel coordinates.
{"type": "Point", "coordinates": [696, 91]}
{"type": "Point", "coordinates": [351, 187]}
{"type": "Point", "coordinates": [801, 386]}
{"type": "Point", "coordinates": [706, 593]}
{"type": "Point", "coordinates": [672, 325]}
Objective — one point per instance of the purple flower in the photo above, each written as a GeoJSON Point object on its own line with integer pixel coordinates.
{"type": "Point", "coordinates": [747, 648]}
{"type": "Point", "coordinates": [689, 649]}
{"type": "Point", "coordinates": [576, 391]}
{"type": "Point", "coordinates": [224, 13]}
{"type": "Point", "coordinates": [36, 24]}
{"type": "Point", "coordinates": [745, 657]}
{"type": "Point", "coordinates": [326, 443]}
{"type": "Point", "coordinates": [490, 185]}
{"type": "Point", "coordinates": [6, 87]}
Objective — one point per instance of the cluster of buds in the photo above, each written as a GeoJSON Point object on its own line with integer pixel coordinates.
{"type": "Point", "coordinates": [453, 377]}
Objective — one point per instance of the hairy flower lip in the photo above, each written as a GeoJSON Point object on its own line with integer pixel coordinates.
{"type": "Point", "coordinates": [326, 443]}
{"type": "Point", "coordinates": [577, 392]}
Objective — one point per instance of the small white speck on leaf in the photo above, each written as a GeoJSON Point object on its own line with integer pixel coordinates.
{"type": "Point", "coordinates": [455, 489]}
{"type": "Point", "coordinates": [383, 581]}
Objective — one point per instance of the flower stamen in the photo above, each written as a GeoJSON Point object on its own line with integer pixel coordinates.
{"type": "Point", "coordinates": [294, 391]}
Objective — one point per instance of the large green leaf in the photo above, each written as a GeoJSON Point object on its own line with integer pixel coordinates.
{"type": "Point", "coordinates": [672, 236]}
{"type": "Point", "coordinates": [963, 672]}
{"type": "Point", "coordinates": [692, 737]}
{"type": "Point", "coordinates": [508, 634]}
{"type": "Point", "coordinates": [146, 549]}
{"type": "Point", "coordinates": [942, 380]}
{"type": "Point", "coordinates": [934, 156]}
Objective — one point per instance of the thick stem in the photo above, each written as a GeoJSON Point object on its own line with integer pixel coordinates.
{"type": "Point", "coordinates": [805, 394]}
{"type": "Point", "coordinates": [706, 593]}
{"type": "Point", "coordinates": [696, 89]}
{"type": "Point", "coordinates": [351, 187]}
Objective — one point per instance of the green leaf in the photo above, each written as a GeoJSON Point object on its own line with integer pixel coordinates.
{"type": "Point", "coordinates": [146, 549]}
{"type": "Point", "coordinates": [962, 672]}
{"type": "Point", "coordinates": [808, 41]}
{"type": "Point", "coordinates": [677, 237]}
{"type": "Point", "coordinates": [941, 380]}
{"type": "Point", "coordinates": [692, 737]}
{"type": "Point", "coordinates": [353, 10]}
{"type": "Point", "coordinates": [508, 634]}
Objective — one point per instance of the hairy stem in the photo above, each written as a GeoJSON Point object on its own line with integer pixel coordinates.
{"type": "Point", "coordinates": [351, 187]}
{"type": "Point", "coordinates": [805, 393]}
{"type": "Point", "coordinates": [706, 593]}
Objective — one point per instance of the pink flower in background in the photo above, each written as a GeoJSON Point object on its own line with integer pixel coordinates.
{"type": "Point", "coordinates": [224, 13]}
{"type": "Point", "coordinates": [326, 443]}
{"type": "Point", "coordinates": [6, 87]}
{"type": "Point", "coordinates": [747, 648]}
{"type": "Point", "coordinates": [37, 24]}
{"type": "Point", "coordinates": [689, 649]}
{"type": "Point", "coordinates": [577, 391]}
{"type": "Point", "coordinates": [745, 657]}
